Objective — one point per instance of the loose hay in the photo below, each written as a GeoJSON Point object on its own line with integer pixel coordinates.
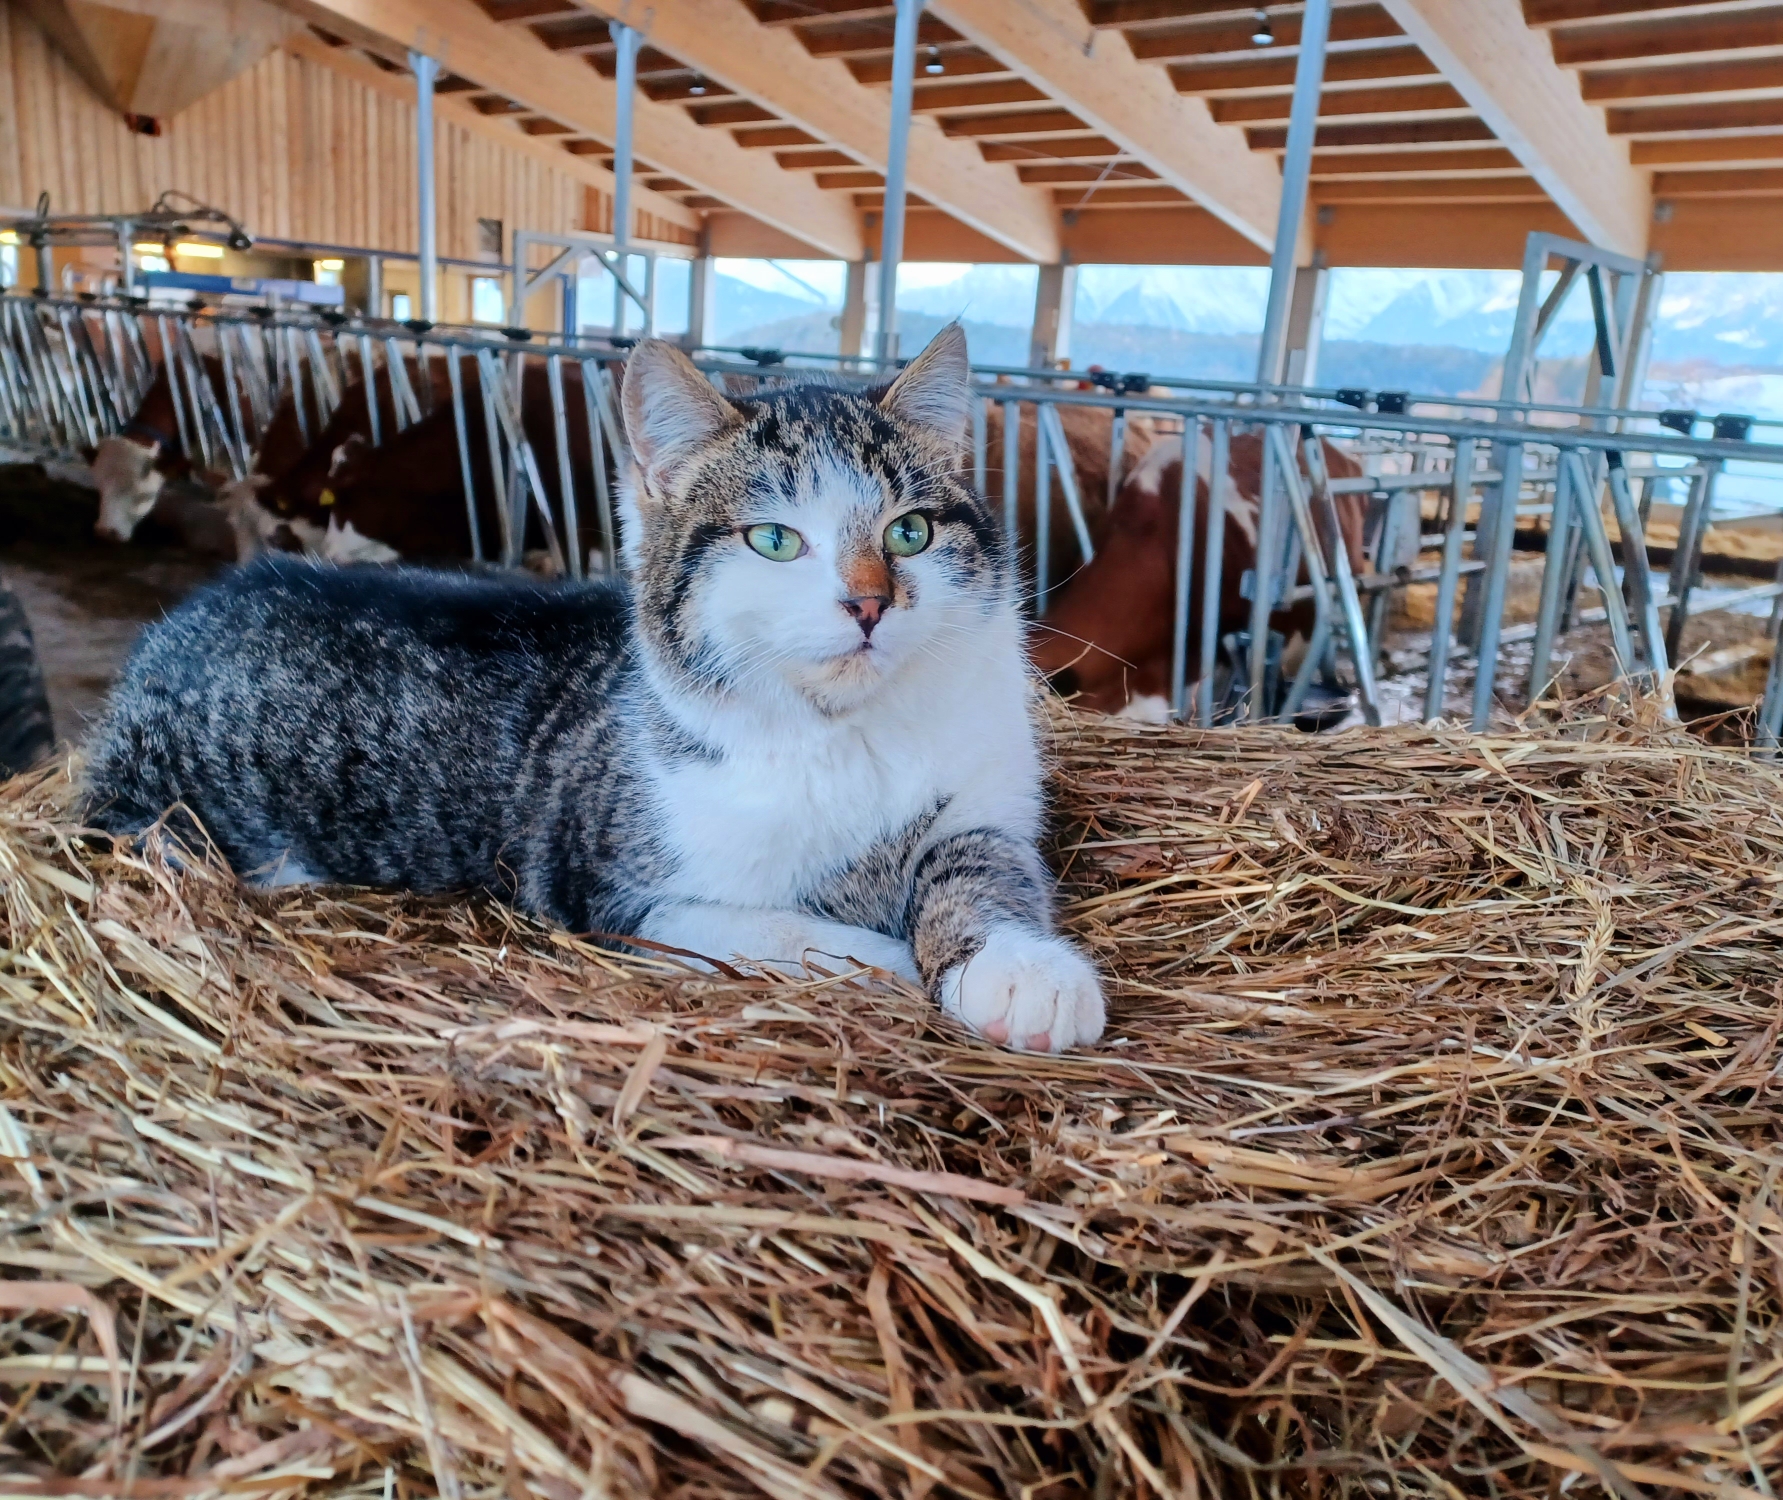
{"type": "Point", "coordinates": [1434, 1150]}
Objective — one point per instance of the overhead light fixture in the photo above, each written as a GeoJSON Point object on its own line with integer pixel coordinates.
{"type": "Point", "coordinates": [698, 86]}
{"type": "Point", "coordinates": [1262, 34]}
{"type": "Point", "coordinates": [333, 263]}
{"type": "Point", "coordinates": [934, 64]}
{"type": "Point", "coordinates": [193, 250]}
{"type": "Point", "coordinates": [9, 237]}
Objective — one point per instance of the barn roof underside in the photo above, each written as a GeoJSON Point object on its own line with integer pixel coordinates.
{"type": "Point", "coordinates": [1152, 130]}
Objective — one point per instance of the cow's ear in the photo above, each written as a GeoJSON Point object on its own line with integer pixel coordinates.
{"type": "Point", "coordinates": [671, 412]}
{"type": "Point", "coordinates": [934, 392]}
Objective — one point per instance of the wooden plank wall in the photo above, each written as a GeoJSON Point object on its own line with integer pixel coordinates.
{"type": "Point", "coordinates": [291, 148]}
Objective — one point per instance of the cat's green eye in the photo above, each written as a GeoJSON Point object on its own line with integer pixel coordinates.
{"type": "Point", "coordinates": [909, 534]}
{"type": "Point", "coordinates": [775, 542]}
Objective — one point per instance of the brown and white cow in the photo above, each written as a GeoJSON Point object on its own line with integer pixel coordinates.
{"type": "Point", "coordinates": [287, 503]}
{"type": "Point", "coordinates": [1106, 636]}
{"type": "Point", "coordinates": [132, 468]}
{"type": "Point", "coordinates": [405, 498]}
{"type": "Point", "coordinates": [1088, 431]}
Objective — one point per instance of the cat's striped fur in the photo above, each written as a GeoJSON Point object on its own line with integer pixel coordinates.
{"type": "Point", "coordinates": [732, 756]}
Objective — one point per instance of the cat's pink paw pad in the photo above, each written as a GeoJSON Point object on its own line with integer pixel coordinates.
{"type": "Point", "coordinates": [1027, 990]}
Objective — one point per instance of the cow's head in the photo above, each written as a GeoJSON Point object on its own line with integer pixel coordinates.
{"type": "Point", "coordinates": [129, 484]}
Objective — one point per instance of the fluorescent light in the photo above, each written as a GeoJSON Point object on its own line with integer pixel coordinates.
{"type": "Point", "coordinates": [333, 263]}
{"type": "Point", "coordinates": [196, 251]}
{"type": "Point", "coordinates": [9, 237]}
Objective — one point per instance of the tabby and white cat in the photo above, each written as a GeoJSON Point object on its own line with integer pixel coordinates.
{"type": "Point", "coordinates": [803, 728]}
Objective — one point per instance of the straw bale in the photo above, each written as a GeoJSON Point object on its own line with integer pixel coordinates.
{"type": "Point", "coordinates": [1433, 1150]}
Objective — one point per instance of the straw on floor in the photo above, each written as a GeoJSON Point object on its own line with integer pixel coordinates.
{"type": "Point", "coordinates": [1434, 1149]}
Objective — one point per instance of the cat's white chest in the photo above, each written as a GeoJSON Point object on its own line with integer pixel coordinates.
{"type": "Point", "coordinates": [763, 825]}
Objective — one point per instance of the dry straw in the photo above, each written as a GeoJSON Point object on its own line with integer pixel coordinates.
{"type": "Point", "coordinates": [1433, 1151]}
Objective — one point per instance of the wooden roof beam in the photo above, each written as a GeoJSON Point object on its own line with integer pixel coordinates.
{"type": "Point", "coordinates": [1508, 74]}
{"type": "Point", "coordinates": [771, 67]}
{"type": "Point", "coordinates": [1493, 161]}
{"type": "Point", "coordinates": [361, 69]}
{"type": "Point", "coordinates": [1229, 39]}
{"type": "Point", "coordinates": [514, 63]}
{"type": "Point", "coordinates": [1130, 103]}
{"type": "Point", "coordinates": [1560, 12]}
{"type": "Point", "coordinates": [1754, 76]}
{"type": "Point", "coordinates": [1709, 150]}
{"type": "Point", "coordinates": [1694, 119]}
{"type": "Point", "coordinates": [1266, 74]}
{"type": "Point", "coordinates": [1418, 99]}
{"type": "Point", "coordinates": [957, 59]}
{"type": "Point", "coordinates": [1721, 34]}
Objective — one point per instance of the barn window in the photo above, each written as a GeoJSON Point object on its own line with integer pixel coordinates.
{"type": "Point", "coordinates": [401, 308]}
{"type": "Point", "coordinates": [487, 303]}
{"type": "Point", "coordinates": [9, 260]}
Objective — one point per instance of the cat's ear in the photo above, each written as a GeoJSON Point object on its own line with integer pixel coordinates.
{"type": "Point", "coordinates": [671, 411]}
{"type": "Point", "coordinates": [934, 392]}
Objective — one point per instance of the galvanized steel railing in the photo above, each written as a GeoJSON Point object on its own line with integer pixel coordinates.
{"type": "Point", "coordinates": [74, 370]}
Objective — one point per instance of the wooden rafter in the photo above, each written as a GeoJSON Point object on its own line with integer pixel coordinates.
{"type": "Point", "coordinates": [770, 67]}
{"type": "Point", "coordinates": [512, 62]}
{"type": "Point", "coordinates": [583, 169]}
{"type": "Point", "coordinates": [1127, 102]}
{"type": "Point", "coordinates": [1507, 73]}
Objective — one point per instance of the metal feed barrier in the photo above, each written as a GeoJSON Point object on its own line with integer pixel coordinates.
{"type": "Point", "coordinates": [1447, 479]}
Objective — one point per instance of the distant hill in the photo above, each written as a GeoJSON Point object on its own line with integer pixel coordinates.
{"type": "Point", "coordinates": [1442, 332]}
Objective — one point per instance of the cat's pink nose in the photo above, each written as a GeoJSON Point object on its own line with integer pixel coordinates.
{"type": "Point", "coordinates": [867, 609]}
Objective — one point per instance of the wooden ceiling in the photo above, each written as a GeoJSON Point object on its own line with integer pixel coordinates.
{"type": "Point", "coordinates": [1690, 92]}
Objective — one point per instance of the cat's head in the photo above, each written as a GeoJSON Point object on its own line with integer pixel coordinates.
{"type": "Point", "coordinates": [808, 539]}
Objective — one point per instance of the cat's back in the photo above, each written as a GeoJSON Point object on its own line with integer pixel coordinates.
{"type": "Point", "coordinates": [354, 713]}
{"type": "Point", "coordinates": [289, 602]}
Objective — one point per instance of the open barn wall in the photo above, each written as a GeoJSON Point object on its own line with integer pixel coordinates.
{"type": "Point", "coordinates": [292, 147]}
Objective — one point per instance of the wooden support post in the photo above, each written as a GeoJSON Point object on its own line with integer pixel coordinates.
{"type": "Point", "coordinates": [702, 302]}
{"type": "Point", "coordinates": [1306, 322]}
{"type": "Point", "coordinates": [1055, 300]}
{"type": "Point", "coordinates": [854, 311]}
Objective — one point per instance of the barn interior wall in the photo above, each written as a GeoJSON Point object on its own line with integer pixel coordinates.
{"type": "Point", "coordinates": [292, 148]}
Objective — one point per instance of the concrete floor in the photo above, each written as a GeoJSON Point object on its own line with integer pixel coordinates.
{"type": "Point", "coordinates": [87, 603]}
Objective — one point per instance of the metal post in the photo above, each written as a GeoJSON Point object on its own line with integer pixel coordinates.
{"type": "Point", "coordinates": [427, 72]}
{"type": "Point", "coordinates": [1059, 451]}
{"type": "Point", "coordinates": [1555, 572]}
{"type": "Point", "coordinates": [126, 233]}
{"type": "Point", "coordinates": [566, 481]}
{"type": "Point", "coordinates": [374, 286]}
{"type": "Point", "coordinates": [1687, 554]}
{"type": "Point", "coordinates": [1265, 581]}
{"type": "Point", "coordinates": [1309, 78]}
{"type": "Point", "coordinates": [1637, 574]}
{"type": "Point", "coordinates": [1213, 564]}
{"type": "Point", "coordinates": [891, 233]}
{"type": "Point", "coordinates": [1012, 430]}
{"type": "Point", "coordinates": [980, 437]}
{"type": "Point", "coordinates": [626, 43]}
{"type": "Point", "coordinates": [1603, 562]}
{"type": "Point", "coordinates": [1770, 706]}
{"type": "Point", "coordinates": [1185, 567]}
{"type": "Point", "coordinates": [1442, 626]}
{"type": "Point", "coordinates": [1042, 511]}
{"type": "Point", "coordinates": [1493, 544]}
{"type": "Point", "coordinates": [461, 431]}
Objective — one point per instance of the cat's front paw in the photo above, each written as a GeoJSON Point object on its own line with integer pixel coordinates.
{"type": "Point", "coordinates": [1026, 990]}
